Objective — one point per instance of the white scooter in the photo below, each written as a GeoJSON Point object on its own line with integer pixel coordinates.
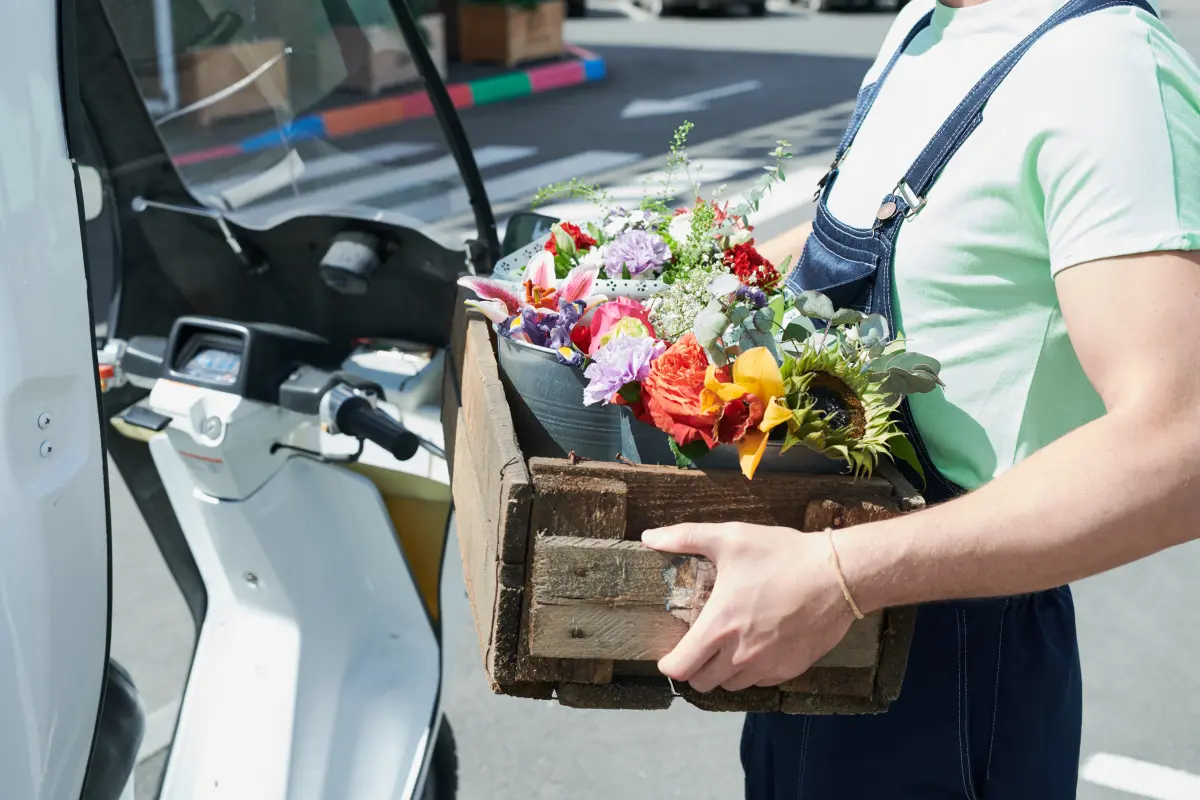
{"type": "Point", "coordinates": [264, 402]}
{"type": "Point", "coordinates": [317, 522]}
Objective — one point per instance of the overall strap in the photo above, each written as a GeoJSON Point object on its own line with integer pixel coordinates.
{"type": "Point", "coordinates": [867, 95]}
{"type": "Point", "coordinates": [969, 113]}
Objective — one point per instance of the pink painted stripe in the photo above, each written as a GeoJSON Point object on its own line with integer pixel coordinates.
{"type": "Point", "coordinates": [197, 156]}
{"type": "Point", "coordinates": [556, 76]}
{"type": "Point", "coordinates": [462, 95]}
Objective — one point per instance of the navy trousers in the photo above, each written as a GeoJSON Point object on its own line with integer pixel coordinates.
{"type": "Point", "coordinates": [991, 707]}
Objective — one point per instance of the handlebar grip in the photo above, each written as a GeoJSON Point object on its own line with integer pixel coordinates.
{"type": "Point", "coordinates": [355, 416]}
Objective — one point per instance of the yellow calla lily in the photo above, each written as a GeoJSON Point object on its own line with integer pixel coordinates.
{"type": "Point", "coordinates": [754, 372]}
{"type": "Point", "coordinates": [752, 448]}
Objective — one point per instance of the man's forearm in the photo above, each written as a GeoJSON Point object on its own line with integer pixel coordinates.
{"type": "Point", "coordinates": [1111, 492]}
{"type": "Point", "coordinates": [786, 244]}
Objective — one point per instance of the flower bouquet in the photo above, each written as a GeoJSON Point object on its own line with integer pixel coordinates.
{"type": "Point", "coordinates": [712, 361]}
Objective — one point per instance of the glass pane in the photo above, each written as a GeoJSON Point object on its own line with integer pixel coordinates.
{"type": "Point", "coordinates": [273, 108]}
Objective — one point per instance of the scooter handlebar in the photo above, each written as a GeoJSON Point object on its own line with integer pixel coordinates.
{"type": "Point", "coordinates": [354, 415]}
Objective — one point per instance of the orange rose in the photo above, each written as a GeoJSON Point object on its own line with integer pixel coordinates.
{"type": "Point", "coordinates": [671, 395]}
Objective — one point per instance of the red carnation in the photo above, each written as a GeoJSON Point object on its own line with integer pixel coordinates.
{"type": "Point", "coordinates": [581, 239]}
{"type": "Point", "coordinates": [751, 268]}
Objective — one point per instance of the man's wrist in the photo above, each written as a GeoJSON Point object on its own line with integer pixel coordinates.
{"type": "Point", "coordinates": [876, 562]}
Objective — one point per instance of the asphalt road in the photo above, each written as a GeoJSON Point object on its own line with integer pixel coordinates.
{"type": "Point", "coordinates": [1142, 690]}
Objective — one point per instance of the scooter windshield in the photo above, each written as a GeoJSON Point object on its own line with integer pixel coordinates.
{"type": "Point", "coordinates": [273, 109]}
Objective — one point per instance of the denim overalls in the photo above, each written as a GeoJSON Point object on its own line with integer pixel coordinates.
{"type": "Point", "coordinates": [991, 704]}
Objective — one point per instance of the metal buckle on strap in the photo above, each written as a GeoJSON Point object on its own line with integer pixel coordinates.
{"type": "Point", "coordinates": [910, 198]}
{"type": "Point", "coordinates": [821, 184]}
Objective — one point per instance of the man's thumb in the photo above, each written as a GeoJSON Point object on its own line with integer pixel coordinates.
{"type": "Point", "coordinates": [687, 538]}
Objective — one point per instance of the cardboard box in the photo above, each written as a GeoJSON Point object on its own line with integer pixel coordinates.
{"type": "Point", "coordinates": [377, 58]}
{"type": "Point", "coordinates": [206, 72]}
{"type": "Point", "coordinates": [509, 34]}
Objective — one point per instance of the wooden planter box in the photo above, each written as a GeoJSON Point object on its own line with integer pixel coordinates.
{"type": "Point", "coordinates": [510, 35]}
{"type": "Point", "coordinates": [568, 604]}
{"type": "Point", "coordinates": [378, 58]}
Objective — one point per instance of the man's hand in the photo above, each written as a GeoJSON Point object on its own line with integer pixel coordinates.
{"type": "Point", "coordinates": [776, 607]}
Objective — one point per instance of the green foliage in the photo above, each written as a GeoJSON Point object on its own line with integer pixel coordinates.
{"type": "Point", "coordinates": [573, 188]}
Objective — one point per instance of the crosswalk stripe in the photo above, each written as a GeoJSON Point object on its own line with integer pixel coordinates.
{"type": "Point", "coordinates": [1140, 778]}
{"type": "Point", "coordinates": [353, 192]}
{"type": "Point", "coordinates": [334, 164]}
{"type": "Point", "coordinates": [526, 182]}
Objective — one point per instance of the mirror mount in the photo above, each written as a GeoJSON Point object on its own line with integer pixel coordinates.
{"type": "Point", "coordinates": [92, 190]}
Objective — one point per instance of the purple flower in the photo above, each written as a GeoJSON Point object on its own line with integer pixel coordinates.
{"type": "Point", "coordinates": [637, 251]}
{"type": "Point", "coordinates": [625, 359]}
{"type": "Point", "coordinates": [753, 296]}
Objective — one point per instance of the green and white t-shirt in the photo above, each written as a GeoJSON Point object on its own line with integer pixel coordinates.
{"type": "Point", "coordinates": [1090, 149]}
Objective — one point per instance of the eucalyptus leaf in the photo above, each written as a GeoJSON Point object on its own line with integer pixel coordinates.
{"type": "Point", "coordinates": [723, 285]}
{"type": "Point", "coordinates": [799, 329]}
{"type": "Point", "coordinates": [752, 338]}
{"type": "Point", "coordinates": [710, 324]}
{"type": "Point", "coordinates": [873, 331]}
{"type": "Point", "coordinates": [739, 314]}
{"type": "Point", "coordinates": [846, 316]}
{"type": "Point", "coordinates": [814, 305]}
{"type": "Point", "coordinates": [764, 319]}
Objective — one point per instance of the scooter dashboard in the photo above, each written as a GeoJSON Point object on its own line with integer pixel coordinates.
{"type": "Point", "coordinates": [247, 359]}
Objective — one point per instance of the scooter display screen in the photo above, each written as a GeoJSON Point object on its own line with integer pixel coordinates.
{"type": "Point", "coordinates": [212, 365]}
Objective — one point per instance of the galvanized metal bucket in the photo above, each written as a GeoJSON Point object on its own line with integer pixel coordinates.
{"type": "Point", "coordinates": [645, 444]}
{"type": "Point", "coordinates": [546, 401]}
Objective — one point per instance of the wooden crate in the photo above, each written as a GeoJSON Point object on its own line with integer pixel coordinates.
{"type": "Point", "coordinates": [568, 604]}
{"type": "Point", "coordinates": [507, 34]}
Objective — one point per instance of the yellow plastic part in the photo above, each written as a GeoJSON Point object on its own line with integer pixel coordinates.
{"type": "Point", "coordinates": [420, 511]}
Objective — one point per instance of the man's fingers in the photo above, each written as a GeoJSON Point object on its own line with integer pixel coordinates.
{"type": "Point", "coordinates": [687, 538]}
{"type": "Point", "coordinates": [716, 672]}
{"type": "Point", "coordinates": [694, 651]}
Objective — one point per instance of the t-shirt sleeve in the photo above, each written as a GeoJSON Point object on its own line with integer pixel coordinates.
{"type": "Point", "coordinates": [908, 17]}
{"type": "Point", "coordinates": [1119, 166]}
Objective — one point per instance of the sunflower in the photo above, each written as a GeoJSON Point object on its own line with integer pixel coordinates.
{"type": "Point", "coordinates": [838, 407]}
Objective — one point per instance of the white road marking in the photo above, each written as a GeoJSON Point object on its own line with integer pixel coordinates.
{"type": "Point", "coordinates": [1140, 777]}
{"type": "Point", "coordinates": [633, 11]}
{"type": "Point", "coordinates": [160, 728]}
{"type": "Point", "coordinates": [522, 183]}
{"type": "Point", "coordinates": [356, 192]}
{"type": "Point", "coordinates": [333, 164]}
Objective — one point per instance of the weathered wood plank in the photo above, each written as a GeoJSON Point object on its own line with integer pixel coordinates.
{"type": "Point", "coordinates": [633, 694]}
{"type": "Point", "coordinates": [487, 425]}
{"type": "Point", "coordinates": [452, 376]}
{"type": "Point", "coordinates": [658, 496]}
{"type": "Point", "coordinates": [593, 505]}
{"type": "Point", "coordinates": [568, 505]}
{"type": "Point", "coordinates": [847, 682]}
{"type": "Point", "coordinates": [605, 599]}
{"type": "Point", "coordinates": [747, 700]}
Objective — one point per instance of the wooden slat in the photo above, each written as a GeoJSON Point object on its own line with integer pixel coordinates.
{"type": "Point", "coordinates": [605, 599]}
{"type": "Point", "coordinates": [493, 499]}
{"type": "Point", "coordinates": [487, 425]}
{"type": "Point", "coordinates": [659, 496]}
{"type": "Point", "coordinates": [630, 694]}
{"type": "Point", "coordinates": [855, 682]}
{"type": "Point", "coordinates": [596, 506]}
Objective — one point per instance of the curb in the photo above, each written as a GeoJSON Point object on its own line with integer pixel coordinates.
{"type": "Point", "coordinates": [583, 67]}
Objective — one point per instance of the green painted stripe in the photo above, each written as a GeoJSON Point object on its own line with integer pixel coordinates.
{"type": "Point", "coordinates": [502, 87]}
